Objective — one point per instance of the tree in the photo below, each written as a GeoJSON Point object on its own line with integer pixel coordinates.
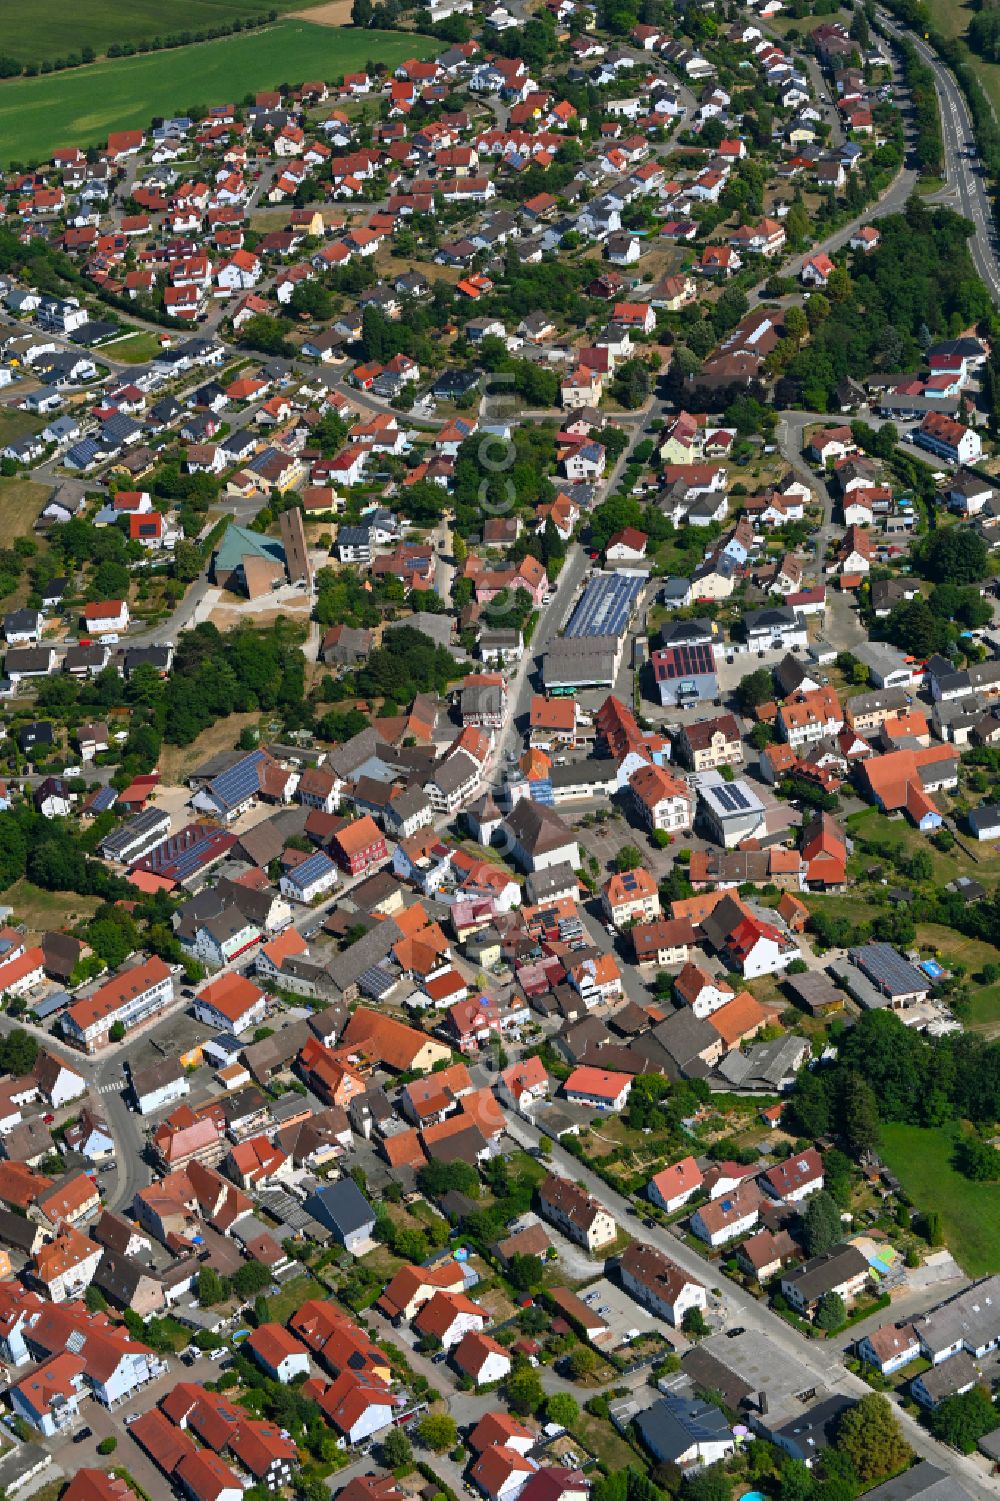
{"type": "Point", "coordinates": [916, 629]}
{"type": "Point", "coordinates": [961, 1421]}
{"type": "Point", "coordinates": [439, 1177]}
{"type": "Point", "coordinates": [629, 857]}
{"type": "Point", "coordinates": [107, 1445]}
{"type": "Point", "coordinates": [250, 1278]}
{"type": "Point", "coordinates": [821, 1224]}
{"type": "Point", "coordinates": [116, 1031]}
{"type": "Point", "coordinates": [694, 1323]}
{"type": "Point", "coordinates": [857, 1115]}
{"type": "Point", "coordinates": [831, 1313]}
{"type": "Point", "coordinates": [396, 1449]}
{"type": "Point", "coordinates": [811, 1103]}
{"type": "Point", "coordinates": [954, 555]}
{"type": "Point", "coordinates": [754, 689]}
{"type": "Point", "coordinates": [581, 1361]}
{"type": "Point", "coordinates": [870, 1436]}
{"type": "Point", "coordinates": [524, 1390]}
{"type": "Point", "coordinates": [437, 1431]}
{"type": "Point", "coordinates": [797, 1482]}
{"type": "Point", "coordinates": [977, 1159]}
{"type": "Point", "coordinates": [211, 1288]}
{"type": "Point", "coordinates": [95, 1300]}
{"type": "Point", "coordinates": [630, 386]}
{"type": "Point", "coordinates": [561, 1408]}
{"type": "Point", "coordinates": [18, 1052]}
{"type": "Point", "coordinates": [265, 333]}
{"type": "Point", "coordinates": [796, 324]}
{"type": "Point", "coordinates": [525, 1272]}
{"type": "Point", "coordinates": [711, 1485]}
{"type": "Point", "coordinates": [361, 13]}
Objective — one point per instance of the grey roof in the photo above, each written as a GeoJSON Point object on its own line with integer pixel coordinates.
{"type": "Point", "coordinates": [821, 1274]}
{"type": "Point", "coordinates": [454, 771]}
{"type": "Point", "coordinates": [888, 970]}
{"type": "Point", "coordinates": [148, 1080]}
{"type": "Point", "coordinates": [346, 968]}
{"type": "Point", "coordinates": [342, 1206]}
{"type": "Point", "coordinates": [986, 816]}
{"type": "Point", "coordinates": [925, 1482]}
{"type": "Point", "coordinates": [671, 1426]}
{"type": "Point", "coordinates": [950, 1377]}
{"type": "Point", "coordinates": [765, 1064]}
{"type": "Point", "coordinates": [541, 884]}
{"type": "Point", "coordinates": [538, 829]}
{"type": "Point", "coordinates": [571, 661]}
{"type": "Point", "coordinates": [888, 699]}
{"type": "Point", "coordinates": [973, 1316]}
{"type": "Point", "coordinates": [809, 1433]}
{"type": "Point", "coordinates": [684, 1037]}
{"type": "Point", "coordinates": [21, 1463]}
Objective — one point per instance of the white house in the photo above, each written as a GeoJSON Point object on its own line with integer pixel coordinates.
{"type": "Point", "coordinates": [659, 1284]}
{"type": "Point", "coordinates": [312, 879]}
{"type": "Point", "coordinates": [728, 1218]}
{"type": "Point", "coordinates": [673, 1186]}
{"type": "Point", "coordinates": [278, 1353]}
{"type": "Point", "coordinates": [889, 1347]}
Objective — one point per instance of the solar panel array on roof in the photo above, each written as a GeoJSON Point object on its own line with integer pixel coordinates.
{"type": "Point", "coordinates": [683, 661]}
{"type": "Point", "coordinates": [314, 869]}
{"type": "Point", "coordinates": [182, 855]}
{"type": "Point", "coordinates": [605, 605]}
{"type": "Point", "coordinates": [375, 982]}
{"type": "Point", "coordinates": [629, 882]}
{"type": "Point", "coordinates": [888, 970]}
{"type": "Point", "coordinates": [235, 785]}
{"type": "Point", "coordinates": [732, 798]}
{"type": "Point", "coordinates": [103, 799]}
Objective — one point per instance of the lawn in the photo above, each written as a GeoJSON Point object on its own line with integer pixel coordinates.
{"type": "Point", "coordinates": [21, 500]}
{"type": "Point", "coordinates": [294, 1292]}
{"type": "Point", "coordinates": [41, 910]}
{"type": "Point", "coordinates": [80, 108]}
{"type": "Point", "coordinates": [603, 1440]}
{"type": "Point", "coordinates": [134, 349]}
{"type": "Point", "coordinates": [17, 424]}
{"type": "Point", "coordinates": [178, 761]}
{"type": "Point", "coordinates": [970, 1212]}
{"type": "Point", "coordinates": [35, 33]}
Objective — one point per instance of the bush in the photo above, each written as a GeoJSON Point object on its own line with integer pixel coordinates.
{"type": "Point", "coordinates": [107, 1445]}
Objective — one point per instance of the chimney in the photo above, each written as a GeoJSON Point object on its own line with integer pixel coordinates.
{"type": "Point", "coordinates": [762, 1402]}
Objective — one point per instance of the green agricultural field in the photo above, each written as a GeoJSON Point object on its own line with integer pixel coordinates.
{"type": "Point", "coordinates": [970, 1212]}
{"type": "Point", "coordinates": [80, 108]}
{"type": "Point", "coordinates": [34, 33]}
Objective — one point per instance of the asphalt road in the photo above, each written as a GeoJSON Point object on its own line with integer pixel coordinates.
{"type": "Point", "coordinates": [966, 191]}
{"type": "Point", "coordinates": [740, 1308]}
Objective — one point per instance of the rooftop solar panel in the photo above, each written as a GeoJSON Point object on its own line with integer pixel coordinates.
{"type": "Point", "coordinates": [605, 606]}
{"type": "Point", "coordinates": [313, 869]}
{"type": "Point", "coordinates": [240, 781]}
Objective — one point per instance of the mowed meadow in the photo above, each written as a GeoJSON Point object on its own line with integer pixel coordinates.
{"type": "Point", "coordinates": [34, 33]}
{"type": "Point", "coordinates": [80, 107]}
